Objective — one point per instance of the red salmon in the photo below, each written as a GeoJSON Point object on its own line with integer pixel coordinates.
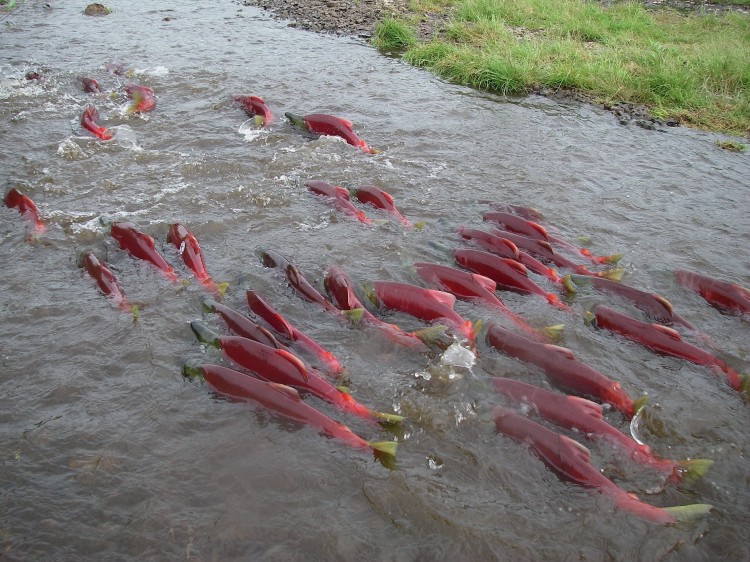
{"type": "Point", "coordinates": [727, 297]}
{"type": "Point", "coordinates": [282, 399]}
{"type": "Point", "coordinates": [381, 200]}
{"type": "Point", "coordinates": [563, 369]}
{"type": "Point", "coordinates": [255, 107]}
{"type": "Point", "coordinates": [338, 196]}
{"type": "Point", "coordinates": [141, 246]}
{"type": "Point", "coordinates": [322, 124]}
{"type": "Point", "coordinates": [105, 279]}
{"type": "Point", "coordinates": [571, 461]}
{"type": "Point", "coordinates": [143, 98]}
{"type": "Point", "coordinates": [89, 119]}
{"type": "Point", "coordinates": [14, 199]}
{"type": "Point", "coordinates": [188, 248]}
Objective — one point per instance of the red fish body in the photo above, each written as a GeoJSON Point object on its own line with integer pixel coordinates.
{"type": "Point", "coordinates": [141, 246]}
{"type": "Point", "coordinates": [508, 274]}
{"type": "Point", "coordinates": [89, 119]}
{"type": "Point", "coordinates": [296, 280]}
{"type": "Point", "coordinates": [428, 305]}
{"type": "Point", "coordinates": [562, 368]}
{"type": "Point", "coordinates": [520, 225]}
{"type": "Point", "coordinates": [188, 248]}
{"type": "Point", "coordinates": [254, 106]}
{"type": "Point", "coordinates": [506, 249]}
{"type": "Point", "coordinates": [322, 124]}
{"type": "Point", "coordinates": [282, 399]}
{"type": "Point", "coordinates": [585, 417]}
{"type": "Point", "coordinates": [105, 279]}
{"type": "Point", "coordinates": [90, 86]}
{"type": "Point", "coordinates": [469, 287]}
{"type": "Point", "coordinates": [280, 366]}
{"type": "Point", "coordinates": [656, 307]}
{"type": "Point", "coordinates": [14, 199]}
{"type": "Point", "coordinates": [527, 213]}
{"type": "Point", "coordinates": [339, 196]}
{"type": "Point", "coordinates": [543, 250]}
{"type": "Point", "coordinates": [727, 297]}
{"type": "Point", "coordinates": [571, 461]}
{"type": "Point", "coordinates": [143, 98]}
{"type": "Point", "coordinates": [339, 286]}
{"type": "Point", "coordinates": [324, 358]}
{"type": "Point", "coordinates": [662, 340]}
{"type": "Point", "coordinates": [380, 199]}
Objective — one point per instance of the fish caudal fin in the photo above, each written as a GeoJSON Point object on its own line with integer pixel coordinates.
{"type": "Point", "coordinates": [694, 469]}
{"type": "Point", "coordinates": [684, 513]}
{"type": "Point", "coordinates": [387, 419]}
{"type": "Point", "coordinates": [554, 332]}
{"type": "Point", "coordinates": [385, 452]}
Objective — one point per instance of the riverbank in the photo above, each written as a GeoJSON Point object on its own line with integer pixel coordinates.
{"type": "Point", "coordinates": [455, 53]}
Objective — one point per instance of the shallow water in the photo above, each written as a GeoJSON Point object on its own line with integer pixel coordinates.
{"type": "Point", "coordinates": [108, 453]}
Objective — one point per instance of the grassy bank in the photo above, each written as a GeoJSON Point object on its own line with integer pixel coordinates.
{"type": "Point", "coordinates": [691, 68]}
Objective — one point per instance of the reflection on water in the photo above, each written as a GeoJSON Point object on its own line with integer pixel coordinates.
{"type": "Point", "coordinates": [107, 452]}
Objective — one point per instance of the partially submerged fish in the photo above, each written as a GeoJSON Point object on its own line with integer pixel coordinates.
{"type": "Point", "coordinates": [323, 124]}
{"type": "Point", "coordinates": [89, 119]}
{"type": "Point", "coordinates": [190, 252]}
{"type": "Point", "coordinates": [563, 369]}
{"type": "Point", "coordinates": [105, 280]}
{"type": "Point", "coordinates": [340, 287]}
{"type": "Point", "coordinates": [14, 199]}
{"type": "Point", "coordinates": [256, 108]}
{"type": "Point", "coordinates": [143, 98]}
{"type": "Point", "coordinates": [571, 461]}
{"type": "Point", "coordinates": [428, 305]}
{"type": "Point", "coordinates": [722, 295]}
{"type": "Point", "coordinates": [585, 417]}
{"type": "Point", "coordinates": [473, 287]}
{"type": "Point", "coordinates": [90, 86]}
{"type": "Point", "coordinates": [280, 366]}
{"type": "Point", "coordinates": [508, 274]}
{"type": "Point", "coordinates": [338, 196]}
{"type": "Point", "coordinates": [282, 399]}
{"type": "Point", "coordinates": [369, 194]}
{"type": "Point", "coordinates": [320, 356]}
{"type": "Point", "coordinates": [664, 341]}
{"type": "Point", "coordinates": [141, 246]}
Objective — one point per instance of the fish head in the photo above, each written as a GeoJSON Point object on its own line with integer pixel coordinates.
{"type": "Point", "coordinates": [296, 120]}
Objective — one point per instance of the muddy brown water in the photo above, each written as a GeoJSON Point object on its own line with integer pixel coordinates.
{"type": "Point", "coordinates": [107, 453]}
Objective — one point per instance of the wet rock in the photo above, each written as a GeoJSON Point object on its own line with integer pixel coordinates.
{"type": "Point", "coordinates": [97, 10]}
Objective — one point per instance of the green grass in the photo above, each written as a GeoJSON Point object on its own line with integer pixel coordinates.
{"type": "Point", "coordinates": [694, 68]}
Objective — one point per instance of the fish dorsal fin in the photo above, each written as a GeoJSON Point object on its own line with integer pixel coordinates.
{"type": "Point", "coordinates": [539, 228]}
{"type": "Point", "coordinates": [512, 247]}
{"type": "Point", "coordinates": [288, 391]}
{"type": "Point", "coordinates": [341, 192]}
{"type": "Point", "coordinates": [346, 122]}
{"type": "Point", "coordinates": [672, 333]}
{"type": "Point", "coordinates": [559, 350]}
{"type": "Point", "coordinates": [576, 448]}
{"type": "Point", "coordinates": [485, 282]}
{"type": "Point", "coordinates": [546, 245]}
{"type": "Point", "coordinates": [387, 196]}
{"type": "Point", "coordinates": [518, 266]}
{"type": "Point", "coordinates": [442, 297]}
{"type": "Point", "coordinates": [587, 406]}
{"type": "Point", "coordinates": [257, 98]}
{"type": "Point", "coordinates": [663, 301]}
{"type": "Point", "coordinates": [294, 360]}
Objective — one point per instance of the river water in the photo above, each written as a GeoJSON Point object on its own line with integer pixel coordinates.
{"type": "Point", "coordinates": [107, 453]}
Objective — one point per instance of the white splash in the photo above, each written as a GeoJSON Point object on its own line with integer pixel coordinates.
{"type": "Point", "coordinates": [250, 130]}
{"type": "Point", "coordinates": [458, 356]}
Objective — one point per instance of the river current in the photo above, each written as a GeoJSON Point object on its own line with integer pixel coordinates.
{"type": "Point", "coordinates": [106, 452]}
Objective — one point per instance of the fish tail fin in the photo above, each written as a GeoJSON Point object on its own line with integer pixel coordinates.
{"type": "Point", "coordinates": [639, 403]}
{"type": "Point", "coordinates": [612, 259]}
{"type": "Point", "coordinates": [569, 285]}
{"type": "Point", "coordinates": [556, 302]}
{"type": "Point", "coordinates": [204, 334]}
{"type": "Point", "coordinates": [431, 335]}
{"type": "Point", "coordinates": [354, 315]}
{"type": "Point", "coordinates": [613, 274]}
{"type": "Point", "coordinates": [685, 513]}
{"type": "Point", "coordinates": [385, 452]}
{"type": "Point", "coordinates": [192, 370]}
{"type": "Point", "coordinates": [554, 332]}
{"type": "Point", "coordinates": [693, 469]}
{"type": "Point", "coordinates": [745, 384]}
{"type": "Point", "coordinates": [386, 419]}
